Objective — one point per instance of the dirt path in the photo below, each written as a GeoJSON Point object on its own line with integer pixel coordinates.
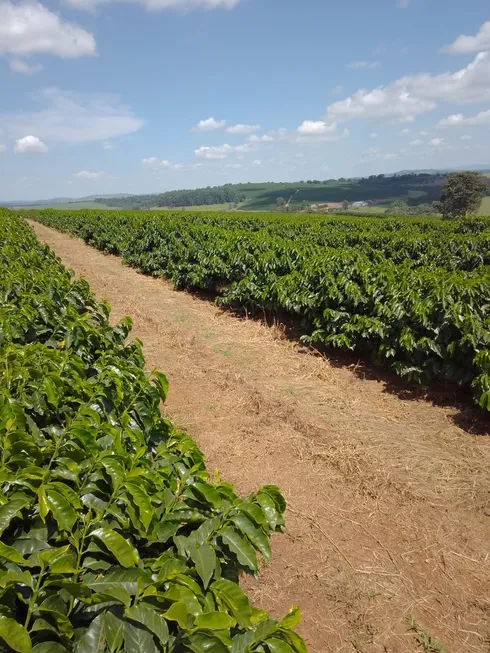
{"type": "Point", "coordinates": [389, 513]}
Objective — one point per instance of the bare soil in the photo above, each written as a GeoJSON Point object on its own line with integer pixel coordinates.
{"type": "Point", "coordinates": [389, 513]}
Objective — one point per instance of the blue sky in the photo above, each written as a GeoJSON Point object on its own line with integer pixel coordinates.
{"type": "Point", "coordinates": [143, 96]}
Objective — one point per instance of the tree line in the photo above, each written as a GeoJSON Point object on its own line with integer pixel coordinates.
{"type": "Point", "coordinates": [178, 198]}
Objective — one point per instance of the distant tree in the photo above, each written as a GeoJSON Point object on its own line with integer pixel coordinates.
{"type": "Point", "coordinates": [462, 194]}
{"type": "Point", "coordinates": [345, 205]}
{"type": "Point", "coordinates": [280, 201]}
{"type": "Point", "coordinates": [305, 205]}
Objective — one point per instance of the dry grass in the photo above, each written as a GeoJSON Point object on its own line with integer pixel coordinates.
{"type": "Point", "coordinates": [388, 499]}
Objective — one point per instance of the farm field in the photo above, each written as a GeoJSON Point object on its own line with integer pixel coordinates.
{"type": "Point", "coordinates": [113, 535]}
{"type": "Point", "coordinates": [412, 294]}
{"type": "Point", "coordinates": [387, 490]}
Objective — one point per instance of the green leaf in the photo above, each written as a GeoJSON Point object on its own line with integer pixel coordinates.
{"type": "Point", "coordinates": [113, 631]}
{"type": "Point", "coordinates": [121, 549]}
{"type": "Point", "coordinates": [178, 612]}
{"type": "Point", "coordinates": [241, 548]}
{"type": "Point", "coordinates": [206, 643]}
{"type": "Point", "coordinates": [49, 647]}
{"type": "Point", "coordinates": [234, 598]}
{"type": "Point", "coordinates": [11, 554]}
{"type": "Point", "coordinates": [138, 640]}
{"type": "Point", "coordinates": [292, 619]}
{"type": "Point", "coordinates": [142, 501]}
{"type": "Point", "coordinates": [114, 590]}
{"type": "Point", "coordinates": [204, 558]}
{"type": "Point", "coordinates": [160, 382]}
{"type": "Point", "coordinates": [214, 621]}
{"type": "Point", "coordinates": [15, 635]}
{"type": "Point", "coordinates": [93, 639]}
{"type": "Point", "coordinates": [278, 646]}
{"type": "Point", "coordinates": [9, 510]}
{"type": "Point", "coordinates": [256, 535]}
{"type": "Point", "coordinates": [62, 511]}
{"type": "Point", "coordinates": [43, 502]}
{"type": "Point", "coordinates": [151, 619]}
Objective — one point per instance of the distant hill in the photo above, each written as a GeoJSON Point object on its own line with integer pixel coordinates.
{"type": "Point", "coordinates": [376, 192]}
{"type": "Point", "coordinates": [62, 200]}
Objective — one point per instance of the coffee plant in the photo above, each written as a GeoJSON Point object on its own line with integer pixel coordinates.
{"type": "Point", "coordinates": [113, 536]}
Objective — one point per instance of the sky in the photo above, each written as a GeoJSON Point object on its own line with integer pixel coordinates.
{"type": "Point", "coordinates": [142, 96]}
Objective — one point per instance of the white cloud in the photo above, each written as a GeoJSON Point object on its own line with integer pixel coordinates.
{"type": "Point", "coordinates": [29, 27]}
{"type": "Point", "coordinates": [257, 163]}
{"type": "Point", "coordinates": [311, 131]}
{"type": "Point", "coordinates": [265, 138]}
{"type": "Point", "coordinates": [154, 162]}
{"type": "Point", "coordinates": [218, 152]}
{"type": "Point", "coordinates": [108, 146]}
{"type": "Point", "coordinates": [29, 144]}
{"type": "Point", "coordinates": [416, 142]}
{"type": "Point", "coordinates": [412, 95]}
{"type": "Point", "coordinates": [465, 44]}
{"type": "Point", "coordinates": [209, 125]}
{"type": "Point", "coordinates": [373, 135]}
{"type": "Point", "coordinates": [402, 4]}
{"type": "Point", "coordinates": [90, 176]}
{"type": "Point", "coordinates": [24, 68]}
{"type": "Point", "coordinates": [357, 65]}
{"type": "Point", "coordinates": [436, 142]}
{"type": "Point", "coordinates": [156, 5]}
{"type": "Point", "coordinates": [457, 119]}
{"type": "Point", "coordinates": [466, 137]}
{"type": "Point", "coordinates": [316, 128]}
{"type": "Point", "coordinates": [234, 166]}
{"type": "Point", "coordinates": [405, 131]}
{"type": "Point", "coordinates": [73, 118]}
{"type": "Point", "coordinates": [243, 129]}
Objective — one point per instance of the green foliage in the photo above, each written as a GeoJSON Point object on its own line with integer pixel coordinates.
{"type": "Point", "coordinates": [113, 538]}
{"type": "Point", "coordinates": [462, 194]}
{"type": "Point", "coordinates": [413, 293]}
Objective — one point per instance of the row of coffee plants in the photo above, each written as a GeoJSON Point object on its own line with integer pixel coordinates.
{"type": "Point", "coordinates": [112, 536]}
{"type": "Point", "coordinates": [413, 293]}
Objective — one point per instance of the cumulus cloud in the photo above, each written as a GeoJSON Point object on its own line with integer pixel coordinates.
{"type": "Point", "coordinates": [316, 127]}
{"type": "Point", "coordinates": [29, 144]}
{"type": "Point", "coordinates": [243, 129]}
{"type": "Point", "coordinates": [73, 118]}
{"type": "Point", "coordinates": [24, 68]}
{"type": "Point", "coordinates": [465, 44]}
{"type": "Point", "coordinates": [218, 152]}
{"type": "Point", "coordinates": [436, 142]}
{"type": "Point", "coordinates": [373, 135]}
{"type": "Point", "coordinates": [157, 5]}
{"type": "Point", "coordinates": [257, 163]}
{"type": "Point", "coordinates": [357, 65]}
{"type": "Point", "coordinates": [209, 125]}
{"type": "Point", "coordinates": [458, 119]}
{"type": "Point", "coordinates": [416, 141]}
{"type": "Point", "coordinates": [29, 27]}
{"type": "Point", "coordinates": [412, 95]}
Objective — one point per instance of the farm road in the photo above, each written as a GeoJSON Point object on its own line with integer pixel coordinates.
{"type": "Point", "coordinates": [388, 498]}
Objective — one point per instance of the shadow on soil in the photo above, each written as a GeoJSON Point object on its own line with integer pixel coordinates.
{"type": "Point", "coordinates": [467, 416]}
